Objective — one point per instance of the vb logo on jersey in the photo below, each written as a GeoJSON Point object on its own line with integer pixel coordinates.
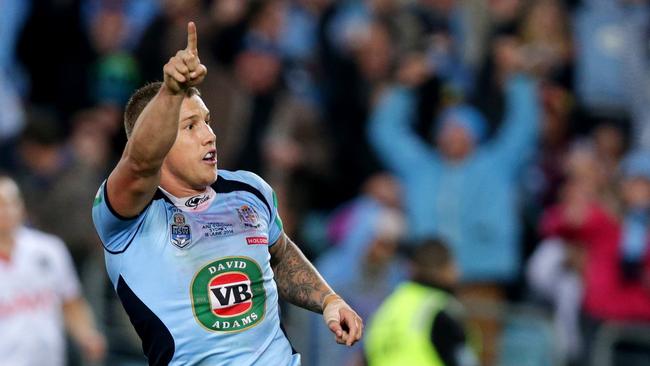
{"type": "Point", "coordinates": [228, 295]}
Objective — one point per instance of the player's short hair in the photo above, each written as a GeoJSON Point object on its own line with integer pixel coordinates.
{"type": "Point", "coordinates": [431, 253]}
{"type": "Point", "coordinates": [141, 98]}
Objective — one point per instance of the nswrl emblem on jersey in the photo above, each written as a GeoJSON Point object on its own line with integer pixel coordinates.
{"type": "Point", "coordinates": [180, 232]}
{"type": "Point", "coordinates": [248, 216]}
{"type": "Point", "coordinates": [228, 295]}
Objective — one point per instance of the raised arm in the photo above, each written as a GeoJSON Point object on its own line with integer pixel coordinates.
{"type": "Point", "coordinates": [391, 132]}
{"type": "Point", "coordinates": [516, 140]}
{"type": "Point", "coordinates": [134, 180]}
{"type": "Point", "coordinates": [300, 284]}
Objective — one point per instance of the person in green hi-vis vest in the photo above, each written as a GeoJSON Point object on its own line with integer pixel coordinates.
{"type": "Point", "coordinates": [419, 324]}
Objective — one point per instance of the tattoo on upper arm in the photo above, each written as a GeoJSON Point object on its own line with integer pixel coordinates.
{"type": "Point", "coordinates": [298, 281]}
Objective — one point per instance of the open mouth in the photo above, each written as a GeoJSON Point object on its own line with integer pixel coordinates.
{"type": "Point", "coordinates": [210, 157]}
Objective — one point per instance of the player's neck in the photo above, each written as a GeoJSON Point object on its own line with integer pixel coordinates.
{"type": "Point", "coordinates": [182, 192]}
{"type": "Point", "coordinates": [179, 189]}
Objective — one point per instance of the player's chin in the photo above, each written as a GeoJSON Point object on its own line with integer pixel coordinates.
{"type": "Point", "coordinates": [208, 174]}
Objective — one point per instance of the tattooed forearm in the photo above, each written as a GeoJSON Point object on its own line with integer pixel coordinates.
{"type": "Point", "coordinates": [298, 281]}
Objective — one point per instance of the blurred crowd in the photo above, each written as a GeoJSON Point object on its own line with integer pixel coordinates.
{"type": "Point", "coordinates": [516, 131]}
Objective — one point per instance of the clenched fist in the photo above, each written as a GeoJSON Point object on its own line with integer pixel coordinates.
{"type": "Point", "coordinates": [185, 70]}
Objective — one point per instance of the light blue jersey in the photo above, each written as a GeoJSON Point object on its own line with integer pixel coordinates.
{"type": "Point", "coordinates": [194, 275]}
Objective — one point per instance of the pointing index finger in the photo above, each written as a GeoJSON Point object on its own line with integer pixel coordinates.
{"type": "Point", "coordinates": [192, 39]}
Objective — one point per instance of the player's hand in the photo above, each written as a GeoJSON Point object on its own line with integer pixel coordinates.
{"type": "Point", "coordinates": [185, 70]}
{"type": "Point", "coordinates": [344, 322]}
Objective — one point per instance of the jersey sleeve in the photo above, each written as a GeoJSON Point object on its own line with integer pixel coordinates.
{"type": "Point", "coordinates": [275, 226]}
{"type": "Point", "coordinates": [274, 221]}
{"type": "Point", "coordinates": [115, 231]}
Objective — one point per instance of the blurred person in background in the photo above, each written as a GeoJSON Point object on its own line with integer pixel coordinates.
{"type": "Point", "coordinates": [39, 293]}
{"type": "Point", "coordinates": [114, 72]}
{"type": "Point", "coordinates": [596, 258]}
{"type": "Point", "coordinates": [620, 269]}
{"type": "Point", "coordinates": [555, 269]}
{"type": "Point", "coordinates": [365, 269]}
{"type": "Point", "coordinates": [355, 224]}
{"type": "Point", "coordinates": [57, 173]}
{"type": "Point", "coordinates": [297, 159]}
{"type": "Point", "coordinates": [357, 51]}
{"type": "Point", "coordinates": [258, 68]}
{"type": "Point", "coordinates": [462, 190]}
{"type": "Point", "coordinates": [422, 323]}
{"type": "Point", "coordinates": [381, 187]}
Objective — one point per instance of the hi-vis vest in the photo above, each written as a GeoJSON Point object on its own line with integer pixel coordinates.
{"type": "Point", "coordinates": [400, 332]}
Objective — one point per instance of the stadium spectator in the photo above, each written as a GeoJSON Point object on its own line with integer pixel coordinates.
{"type": "Point", "coordinates": [114, 72]}
{"type": "Point", "coordinates": [462, 191]}
{"type": "Point", "coordinates": [421, 322]}
{"type": "Point", "coordinates": [297, 159]}
{"type": "Point", "coordinates": [367, 251]}
{"type": "Point", "coordinates": [443, 194]}
{"type": "Point", "coordinates": [555, 269]}
{"type": "Point", "coordinates": [618, 268]}
{"type": "Point", "coordinates": [593, 258]}
{"type": "Point", "coordinates": [40, 293]}
{"type": "Point", "coordinates": [55, 173]}
{"type": "Point", "coordinates": [349, 34]}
